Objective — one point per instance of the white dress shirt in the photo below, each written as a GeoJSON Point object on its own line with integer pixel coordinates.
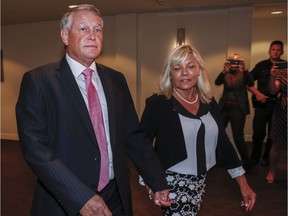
{"type": "Point", "coordinates": [77, 70]}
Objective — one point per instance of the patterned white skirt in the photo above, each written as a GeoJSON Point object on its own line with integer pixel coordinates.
{"type": "Point", "coordinates": [186, 194]}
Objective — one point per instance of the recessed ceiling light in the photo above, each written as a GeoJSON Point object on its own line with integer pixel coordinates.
{"type": "Point", "coordinates": [276, 12]}
{"type": "Point", "coordinates": [72, 6]}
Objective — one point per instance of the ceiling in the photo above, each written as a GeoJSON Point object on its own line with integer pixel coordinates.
{"type": "Point", "coordinates": [26, 11]}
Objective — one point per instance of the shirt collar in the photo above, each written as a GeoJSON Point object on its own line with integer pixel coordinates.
{"type": "Point", "coordinates": [78, 68]}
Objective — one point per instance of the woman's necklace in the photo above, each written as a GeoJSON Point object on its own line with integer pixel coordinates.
{"type": "Point", "coordinates": [189, 102]}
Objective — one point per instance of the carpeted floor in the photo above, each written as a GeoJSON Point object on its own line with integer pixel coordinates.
{"type": "Point", "coordinates": [222, 196]}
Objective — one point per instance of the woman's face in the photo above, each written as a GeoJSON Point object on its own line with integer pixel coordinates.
{"type": "Point", "coordinates": [185, 75]}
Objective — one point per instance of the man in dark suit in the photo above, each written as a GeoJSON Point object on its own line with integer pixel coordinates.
{"type": "Point", "coordinates": [59, 140]}
{"type": "Point", "coordinates": [264, 103]}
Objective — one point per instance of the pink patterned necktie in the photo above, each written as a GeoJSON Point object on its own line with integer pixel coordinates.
{"type": "Point", "coordinates": [96, 116]}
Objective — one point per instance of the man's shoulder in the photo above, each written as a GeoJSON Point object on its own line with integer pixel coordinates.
{"type": "Point", "coordinates": [102, 67]}
{"type": "Point", "coordinates": [264, 62]}
{"type": "Point", "coordinates": [104, 70]}
{"type": "Point", "coordinates": [47, 68]}
{"type": "Point", "coordinates": [260, 66]}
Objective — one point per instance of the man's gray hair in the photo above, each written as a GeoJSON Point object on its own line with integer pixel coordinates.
{"type": "Point", "coordinates": [67, 17]}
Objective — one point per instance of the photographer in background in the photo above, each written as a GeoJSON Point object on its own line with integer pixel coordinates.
{"type": "Point", "coordinates": [234, 103]}
{"type": "Point", "coordinates": [264, 103]}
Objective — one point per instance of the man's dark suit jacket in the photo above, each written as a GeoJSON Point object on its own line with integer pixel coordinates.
{"type": "Point", "coordinates": [59, 144]}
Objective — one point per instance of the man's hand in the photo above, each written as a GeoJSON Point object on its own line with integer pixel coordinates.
{"type": "Point", "coordinates": [95, 206]}
{"type": "Point", "coordinates": [261, 97]}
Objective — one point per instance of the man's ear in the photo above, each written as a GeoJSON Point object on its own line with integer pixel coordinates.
{"type": "Point", "coordinates": [64, 36]}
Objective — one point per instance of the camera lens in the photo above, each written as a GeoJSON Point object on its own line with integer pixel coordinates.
{"type": "Point", "coordinates": [234, 62]}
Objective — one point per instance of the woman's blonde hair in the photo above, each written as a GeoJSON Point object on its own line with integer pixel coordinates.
{"type": "Point", "coordinates": [177, 56]}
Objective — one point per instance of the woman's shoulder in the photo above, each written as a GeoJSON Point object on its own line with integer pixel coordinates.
{"type": "Point", "coordinates": [156, 98]}
{"type": "Point", "coordinates": [156, 102]}
{"type": "Point", "coordinates": [213, 104]}
{"type": "Point", "coordinates": [213, 101]}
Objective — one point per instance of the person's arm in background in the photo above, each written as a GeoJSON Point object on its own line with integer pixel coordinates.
{"type": "Point", "coordinates": [258, 95]}
{"type": "Point", "coordinates": [220, 78]}
{"type": "Point", "coordinates": [248, 79]}
{"type": "Point", "coordinates": [250, 86]}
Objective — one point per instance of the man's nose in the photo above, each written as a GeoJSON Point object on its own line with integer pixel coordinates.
{"type": "Point", "coordinates": [92, 34]}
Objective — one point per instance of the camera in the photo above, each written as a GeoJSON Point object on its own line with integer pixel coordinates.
{"type": "Point", "coordinates": [281, 65]}
{"type": "Point", "coordinates": [234, 62]}
{"type": "Point", "coordinates": [234, 65]}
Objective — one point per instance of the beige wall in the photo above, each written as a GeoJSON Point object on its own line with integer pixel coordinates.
{"type": "Point", "coordinates": [137, 45]}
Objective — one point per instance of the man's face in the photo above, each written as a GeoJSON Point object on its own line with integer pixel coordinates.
{"type": "Point", "coordinates": [84, 38]}
{"type": "Point", "coordinates": [275, 52]}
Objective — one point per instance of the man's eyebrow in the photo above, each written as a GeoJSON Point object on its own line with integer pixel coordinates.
{"type": "Point", "coordinates": [99, 25]}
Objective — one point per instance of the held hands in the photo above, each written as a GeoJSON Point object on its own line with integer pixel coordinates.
{"type": "Point", "coordinates": [95, 206]}
{"type": "Point", "coordinates": [160, 198]}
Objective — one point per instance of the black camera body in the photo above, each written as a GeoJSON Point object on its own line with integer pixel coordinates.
{"type": "Point", "coordinates": [234, 62]}
{"type": "Point", "coordinates": [234, 66]}
{"type": "Point", "coordinates": [281, 65]}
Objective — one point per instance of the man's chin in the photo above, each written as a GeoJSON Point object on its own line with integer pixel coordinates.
{"type": "Point", "coordinates": [93, 55]}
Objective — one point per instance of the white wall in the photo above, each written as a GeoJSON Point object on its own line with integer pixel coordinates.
{"type": "Point", "coordinates": [137, 45]}
{"type": "Point", "coordinates": [24, 47]}
{"type": "Point", "coordinates": [209, 31]}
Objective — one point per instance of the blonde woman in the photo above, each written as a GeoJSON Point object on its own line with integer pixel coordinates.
{"type": "Point", "coordinates": [184, 122]}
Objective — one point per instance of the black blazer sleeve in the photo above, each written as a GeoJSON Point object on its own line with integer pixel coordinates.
{"type": "Point", "coordinates": [162, 124]}
{"type": "Point", "coordinates": [139, 147]}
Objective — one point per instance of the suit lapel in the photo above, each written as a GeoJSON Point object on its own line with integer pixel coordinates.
{"type": "Point", "coordinates": [69, 84]}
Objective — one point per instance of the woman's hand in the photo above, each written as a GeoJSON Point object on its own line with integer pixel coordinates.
{"type": "Point", "coordinates": [249, 196]}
